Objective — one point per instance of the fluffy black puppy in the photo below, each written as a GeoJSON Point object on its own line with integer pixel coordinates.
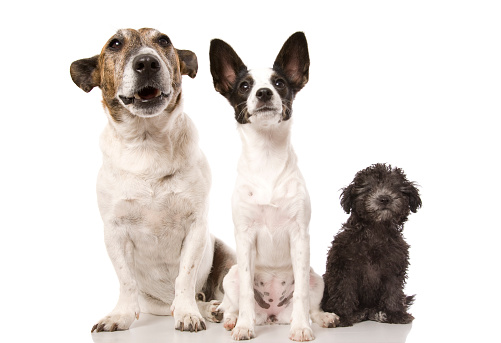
{"type": "Point", "coordinates": [368, 260]}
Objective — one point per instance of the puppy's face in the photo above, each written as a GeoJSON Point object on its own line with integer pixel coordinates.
{"type": "Point", "coordinates": [381, 194]}
{"type": "Point", "coordinates": [137, 71]}
{"type": "Point", "coordinates": [265, 95]}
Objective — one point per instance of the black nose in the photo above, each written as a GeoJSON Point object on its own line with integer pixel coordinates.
{"type": "Point", "coordinates": [146, 64]}
{"type": "Point", "coordinates": [384, 199]}
{"type": "Point", "coordinates": [264, 94]}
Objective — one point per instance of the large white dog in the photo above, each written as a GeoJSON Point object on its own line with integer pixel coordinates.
{"type": "Point", "coordinates": [154, 183]}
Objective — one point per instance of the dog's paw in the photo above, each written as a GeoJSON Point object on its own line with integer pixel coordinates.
{"type": "Point", "coordinates": [241, 333]}
{"type": "Point", "coordinates": [215, 315]}
{"type": "Point", "coordinates": [190, 322]}
{"type": "Point", "coordinates": [230, 320]}
{"type": "Point", "coordinates": [325, 319]}
{"type": "Point", "coordinates": [301, 334]}
{"type": "Point", "coordinates": [116, 321]}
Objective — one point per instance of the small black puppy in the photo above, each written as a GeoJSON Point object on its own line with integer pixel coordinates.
{"type": "Point", "coordinates": [368, 260]}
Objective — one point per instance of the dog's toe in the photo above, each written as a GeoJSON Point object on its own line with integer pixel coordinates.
{"type": "Point", "coordinates": [115, 321]}
{"type": "Point", "coordinates": [242, 333]}
{"type": "Point", "coordinates": [190, 322]}
{"type": "Point", "coordinates": [301, 334]}
{"type": "Point", "coordinates": [325, 319]}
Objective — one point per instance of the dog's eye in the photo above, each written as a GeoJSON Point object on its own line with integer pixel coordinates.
{"type": "Point", "coordinates": [164, 41]}
{"type": "Point", "coordinates": [279, 83]}
{"type": "Point", "coordinates": [244, 87]}
{"type": "Point", "coordinates": [115, 44]}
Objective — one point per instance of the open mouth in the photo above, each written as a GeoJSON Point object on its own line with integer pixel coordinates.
{"type": "Point", "coordinates": [144, 95]}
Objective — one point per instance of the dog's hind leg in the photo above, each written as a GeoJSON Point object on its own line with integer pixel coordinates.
{"type": "Point", "coordinates": [229, 304]}
{"type": "Point", "coordinates": [323, 319]}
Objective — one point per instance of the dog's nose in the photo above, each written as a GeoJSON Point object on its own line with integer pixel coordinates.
{"type": "Point", "coordinates": [264, 94]}
{"type": "Point", "coordinates": [146, 64]}
{"type": "Point", "coordinates": [384, 199]}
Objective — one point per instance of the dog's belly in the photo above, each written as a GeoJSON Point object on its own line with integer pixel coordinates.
{"type": "Point", "coordinates": [273, 292]}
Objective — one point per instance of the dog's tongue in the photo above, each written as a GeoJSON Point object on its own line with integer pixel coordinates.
{"type": "Point", "coordinates": [148, 93]}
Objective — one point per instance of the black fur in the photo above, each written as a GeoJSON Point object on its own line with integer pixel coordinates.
{"type": "Point", "coordinates": [291, 71]}
{"type": "Point", "coordinates": [367, 262]}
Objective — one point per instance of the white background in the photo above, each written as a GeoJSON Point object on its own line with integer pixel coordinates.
{"type": "Point", "coordinates": [414, 84]}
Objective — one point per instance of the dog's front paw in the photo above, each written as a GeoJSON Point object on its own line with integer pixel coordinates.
{"type": "Point", "coordinates": [325, 319]}
{"type": "Point", "coordinates": [187, 317]}
{"type": "Point", "coordinates": [116, 321]}
{"type": "Point", "coordinates": [301, 334]}
{"type": "Point", "coordinates": [241, 333]}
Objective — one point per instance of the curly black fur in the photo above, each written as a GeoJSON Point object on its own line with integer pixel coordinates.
{"type": "Point", "coordinates": [367, 262]}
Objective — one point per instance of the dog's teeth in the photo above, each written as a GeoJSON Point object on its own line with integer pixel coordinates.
{"type": "Point", "coordinates": [136, 96]}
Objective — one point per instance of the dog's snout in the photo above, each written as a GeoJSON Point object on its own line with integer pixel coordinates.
{"type": "Point", "coordinates": [384, 199]}
{"type": "Point", "coordinates": [146, 64]}
{"type": "Point", "coordinates": [264, 94]}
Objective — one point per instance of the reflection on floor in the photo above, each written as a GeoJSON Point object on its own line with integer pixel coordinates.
{"type": "Point", "coordinates": [159, 329]}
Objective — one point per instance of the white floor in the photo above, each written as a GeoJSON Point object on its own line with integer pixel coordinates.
{"type": "Point", "coordinates": [153, 329]}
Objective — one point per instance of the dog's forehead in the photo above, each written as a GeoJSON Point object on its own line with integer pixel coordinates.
{"type": "Point", "coordinates": [261, 76]}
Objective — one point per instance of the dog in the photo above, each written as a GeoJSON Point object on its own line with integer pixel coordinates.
{"type": "Point", "coordinates": [154, 183]}
{"type": "Point", "coordinates": [272, 281]}
{"type": "Point", "coordinates": [367, 263]}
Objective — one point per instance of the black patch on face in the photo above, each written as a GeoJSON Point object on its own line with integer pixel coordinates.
{"type": "Point", "coordinates": [229, 74]}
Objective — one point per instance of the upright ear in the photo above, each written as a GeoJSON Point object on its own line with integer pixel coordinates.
{"type": "Point", "coordinates": [347, 198]}
{"type": "Point", "coordinates": [188, 63]}
{"type": "Point", "coordinates": [413, 194]}
{"type": "Point", "coordinates": [294, 61]}
{"type": "Point", "coordinates": [85, 73]}
{"type": "Point", "coordinates": [225, 66]}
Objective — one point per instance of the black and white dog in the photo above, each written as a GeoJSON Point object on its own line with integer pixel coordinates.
{"type": "Point", "coordinates": [367, 263]}
{"type": "Point", "coordinates": [273, 281]}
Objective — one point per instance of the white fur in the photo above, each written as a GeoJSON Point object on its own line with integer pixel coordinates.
{"type": "Point", "coordinates": [271, 214]}
{"type": "Point", "coordinates": [153, 195]}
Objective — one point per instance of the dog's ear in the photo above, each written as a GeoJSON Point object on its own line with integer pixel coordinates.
{"type": "Point", "coordinates": [85, 73]}
{"type": "Point", "coordinates": [188, 63]}
{"type": "Point", "coordinates": [225, 66]}
{"type": "Point", "coordinates": [293, 61]}
{"type": "Point", "coordinates": [412, 193]}
{"type": "Point", "coordinates": [347, 198]}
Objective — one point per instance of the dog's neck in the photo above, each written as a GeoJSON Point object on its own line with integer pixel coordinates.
{"type": "Point", "coordinates": [266, 150]}
{"type": "Point", "coordinates": [152, 147]}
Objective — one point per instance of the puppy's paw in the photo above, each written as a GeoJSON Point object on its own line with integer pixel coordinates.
{"type": "Point", "coordinates": [325, 319]}
{"type": "Point", "coordinates": [241, 333]}
{"type": "Point", "coordinates": [116, 321]}
{"type": "Point", "coordinates": [301, 334]}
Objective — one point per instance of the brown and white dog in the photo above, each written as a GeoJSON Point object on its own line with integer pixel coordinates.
{"type": "Point", "coordinates": [273, 281]}
{"type": "Point", "coordinates": [154, 183]}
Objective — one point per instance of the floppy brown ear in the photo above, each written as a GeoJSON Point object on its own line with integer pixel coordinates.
{"type": "Point", "coordinates": [293, 61]}
{"type": "Point", "coordinates": [188, 62]}
{"type": "Point", "coordinates": [225, 66]}
{"type": "Point", "coordinates": [85, 73]}
{"type": "Point", "coordinates": [346, 198]}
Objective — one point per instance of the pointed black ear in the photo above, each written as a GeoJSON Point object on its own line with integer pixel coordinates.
{"type": "Point", "coordinates": [225, 66]}
{"type": "Point", "coordinates": [346, 198]}
{"type": "Point", "coordinates": [413, 194]}
{"type": "Point", "coordinates": [188, 62]}
{"type": "Point", "coordinates": [294, 61]}
{"type": "Point", "coordinates": [85, 74]}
